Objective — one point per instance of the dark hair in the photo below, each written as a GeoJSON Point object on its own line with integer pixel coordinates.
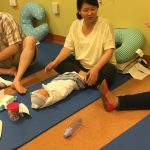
{"type": "Point", "coordinates": [81, 2]}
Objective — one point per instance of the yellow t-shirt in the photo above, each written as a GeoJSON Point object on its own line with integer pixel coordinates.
{"type": "Point", "coordinates": [88, 49]}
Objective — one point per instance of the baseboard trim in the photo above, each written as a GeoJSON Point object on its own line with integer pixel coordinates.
{"type": "Point", "coordinates": [55, 38]}
{"type": "Point", "coordinates": [61, 39]}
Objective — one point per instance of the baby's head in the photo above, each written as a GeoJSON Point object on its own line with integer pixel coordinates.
{"type": "Point", "coordinates": [38, 98]}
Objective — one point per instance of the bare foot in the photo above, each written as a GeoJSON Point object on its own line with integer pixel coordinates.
{"type": "Point", "coordinates": [18, 87]}
{"type": "Point", "coordinates": [12, 71]}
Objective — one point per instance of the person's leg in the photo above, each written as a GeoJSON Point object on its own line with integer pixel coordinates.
{"type": "Point", "coordinates": [140, 101]}
{"type": "Point", "coordinates": [71, 64]}
{"type": "Point", "coordinates": [26, 58]}
{"type": "Point", "coordinates": [7, 67]}
{"type": "Point", "coordinates": [108, 72]}
{"type": "Point", "coordinates": [68, 65]}
{"type": "Point", "coordinates": [110, 101]}
{"type": "Point", "coordinates": [10, 71]}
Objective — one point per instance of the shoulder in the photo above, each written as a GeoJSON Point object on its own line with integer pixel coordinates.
{"type": "Point", "coordinates": [4, 15]}
{"type": "Point", "coordinates": [6, 18]}
{"type": "Point", "coordinates": [77, 22]}
{"type": "Point", "coordinates": [104, 21]}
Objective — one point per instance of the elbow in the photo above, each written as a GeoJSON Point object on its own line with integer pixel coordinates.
{"type": "Point", "coordinates": [110, 52]}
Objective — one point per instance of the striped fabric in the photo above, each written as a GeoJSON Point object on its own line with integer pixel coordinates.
{"type": "Point", "coordinates": [10, 32]}
{"type": "Point", "coordinates": [72, 76]}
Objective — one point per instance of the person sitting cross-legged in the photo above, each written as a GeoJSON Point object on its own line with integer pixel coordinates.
{"type": "Point", "coordinates": [17, 51]}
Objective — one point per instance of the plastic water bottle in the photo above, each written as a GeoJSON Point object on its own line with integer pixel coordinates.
{"type": "Point", "coordinates": [73, 127]}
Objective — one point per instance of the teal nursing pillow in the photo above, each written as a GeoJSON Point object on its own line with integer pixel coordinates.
{"type": "Point", "coordinates": [29, 12]}
{"type": "Point", "coordinates": [128, 40]}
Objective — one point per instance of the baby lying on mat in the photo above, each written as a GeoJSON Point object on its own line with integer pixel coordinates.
{"type": "Point", "coordinates": [57, 89]}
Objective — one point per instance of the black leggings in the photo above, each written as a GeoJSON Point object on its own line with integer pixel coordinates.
{"type": "Point", "coordinates": [138, 101]}
{"type": "Point", "coordinates": [108, 72]}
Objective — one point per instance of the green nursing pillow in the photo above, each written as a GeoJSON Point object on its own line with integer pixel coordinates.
{"type": "Point", "coordinates": [128, 40]}
{"type": "Point", "coordinates": [30, 12]}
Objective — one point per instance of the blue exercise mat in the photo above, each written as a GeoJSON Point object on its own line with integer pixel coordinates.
{"type": "Point", "coordinates": [47, 52]}
{"type": "Point", "coordinates": [18, 133]}
{"type": "Point", "coordinates": [135, 138]}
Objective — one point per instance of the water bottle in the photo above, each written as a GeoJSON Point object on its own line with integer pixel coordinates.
{"type": "Point", "coordinates": [73, 127]}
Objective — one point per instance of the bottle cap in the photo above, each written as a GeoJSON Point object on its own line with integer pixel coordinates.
{"type": "Point", "coordinates": [13, 106]}
{"type": "Point", "coordinates": [68, 132]}
{"type": "Point", "coordinates": [13, 111]}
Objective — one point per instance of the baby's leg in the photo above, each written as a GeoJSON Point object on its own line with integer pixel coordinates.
{"type": "Point", "coordinates": [39, 98]}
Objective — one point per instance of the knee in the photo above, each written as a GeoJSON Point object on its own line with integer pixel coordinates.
{"type": "Point", "coordinates": [30, 40]}
{"type": "Point", "coordinates": [109, 72]}
{"type": "Point", "coordinates": [109, 68]}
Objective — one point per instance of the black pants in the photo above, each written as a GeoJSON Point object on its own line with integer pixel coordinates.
{"type": "Point", "coordinates": [138, 101]}
{"type": "Point", "coordinates": [108, 72]}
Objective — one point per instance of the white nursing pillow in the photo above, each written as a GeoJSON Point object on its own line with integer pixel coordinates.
{"type": "Point", "coordinates": [29, 12]}
{"type": "Point", "coordinates": [128, 40]}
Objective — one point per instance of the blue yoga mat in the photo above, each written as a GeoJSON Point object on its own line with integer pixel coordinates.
{"type": "Point", "coordinates": [18, 133]}
{"type": "Point", "coordinates": [47, 52]}
{"type": "Point", "coordinates": [135, 138]}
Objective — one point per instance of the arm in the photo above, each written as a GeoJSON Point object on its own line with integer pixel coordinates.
{"type": "Point", "coordinates": [9, 51]}
{"type": "Point", "coordinates": [64, 53]}
{"type": "Point", "coordinates": [104, 59]}
{"type": "Point", "coordinates": [11, 37]}
{"type": "Point", "coordinates": [93, 72]}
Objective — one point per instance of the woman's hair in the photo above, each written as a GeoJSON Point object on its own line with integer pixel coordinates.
{"type": "Point", "coordinates": [81, 2]}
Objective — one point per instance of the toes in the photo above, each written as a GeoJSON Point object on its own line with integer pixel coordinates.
{"type": "Point", "coordinates": [22, 90]}
{"type": "Point", "coordinates": [19, 88]}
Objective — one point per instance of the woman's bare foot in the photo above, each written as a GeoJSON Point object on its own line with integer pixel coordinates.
{"type": "Point", "coordinates": [18, 87]}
